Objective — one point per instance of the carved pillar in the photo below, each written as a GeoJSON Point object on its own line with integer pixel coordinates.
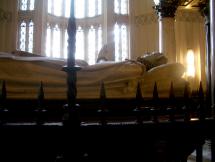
{"type": "Point", "coordinates": [212, 33]}
{"type": "Point", "coordinates": [166, 15]}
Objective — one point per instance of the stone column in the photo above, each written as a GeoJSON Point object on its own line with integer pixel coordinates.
{"type": "Point", "coordinates": [212, 33]}
{"type": "Point", "coordinates": [166, 17]}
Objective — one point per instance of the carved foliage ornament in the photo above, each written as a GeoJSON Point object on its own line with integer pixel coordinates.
{"type": "Point", "coordinates": [5, 16]}
{"type": "Point", "coordinates": [167, 8]}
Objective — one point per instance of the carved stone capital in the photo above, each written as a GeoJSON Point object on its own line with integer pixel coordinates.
{"type": "Point", "coordinates": [204, 10]}
{"type": "Point", "coordinates": [167, 8]}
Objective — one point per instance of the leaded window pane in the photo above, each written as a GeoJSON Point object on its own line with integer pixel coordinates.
{"type": "Point", "coordinates": [22, 36]}
{"type": "Point", "coordinates": [31, 36]}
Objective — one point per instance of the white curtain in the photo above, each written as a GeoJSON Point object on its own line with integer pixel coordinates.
{"type": "Point", "coordinates": [190, 35]}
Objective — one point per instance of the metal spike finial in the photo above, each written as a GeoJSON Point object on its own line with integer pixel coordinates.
{"type": "Point", "coordinates": [186, 91]}
{"type": "Point", "coordinates": [201, 91]}
{"type": "Point", "coordinates": [155, 92]}
{"type": "Point", "coordinates": [138, 101]}
{"type": "Point", "coordinates": [3, 93]}
{"type": "Point", "coordinates": [202, 111]}
{"type": "Point", "coordinates": [171, 92]}
{"type": "Point", "coordinates": [40, 111]}
{"type": "Point", "coordinates": [103, 109]}
{"type": "Point", "coordinates": [138, 92]}
{"type": "Point", "coordinates": [40, 94]}
{"type": "Point", "coordinates": [102, 92]}
{"type": "Point", "coordinates": [186, 106]}
{"type": "Point", "coordinates": [3, 109]}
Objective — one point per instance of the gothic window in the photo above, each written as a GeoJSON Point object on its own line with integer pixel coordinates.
{"type": "Point", "coordinates": [93, 28]}
{"type": "Point", "coordinates": [26, 5]}
{"type": "Point", "coordinates": [26, 25]}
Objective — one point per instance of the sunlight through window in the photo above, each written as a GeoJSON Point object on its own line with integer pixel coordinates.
{"type": "Point", "coordinates": [99, 7]}
{"type": "Point", "coordinates": [121, 42]}
{"type": "Point", "coordinates": [124, 43]}
{"type": "Point", "coordinates": [91, 45]}
{"type": "Point", "coordinates": [79, 8]}
{"type": "Point", "coordinates": [99, 39]}
{"type": "Point", "coordinates": [22, 36]}
{"type": "Point", "coordinates": [56, 42]}
{"type": "Point", "coordinates": [92, 8]}
{"type": "Point", "coordinates": [31, 36]}
{"type": "Point", "coordinates": [26, 5]}
{"type": "Point", "coordinates": [121, 6]}
{"type": "Point", "coordinates": [50, 4]}
{"type": "Point", "coordinates": [23, 5]}
{"type": "Point", "coordinates": [48, 42]}
{"type": "Point", "coordinates": [57, 7]}
{"type": "Point", "coordinates": [117, 42]}
{"type": "Point", "coordinates": [190, 63]}
{"type": "Point", "coordinates": [31, 5]}
{"type": "Point", "coordinates": [92, 29]}
{"type": "Point", "coordinates": [65, 45]}
{"type": "Point", "coordinates": [67, 8]}
{"type": "Point", "coordinates": [80, 44]}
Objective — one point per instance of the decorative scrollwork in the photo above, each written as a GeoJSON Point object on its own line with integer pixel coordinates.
{"type": "Point", "coordinates": [145, 19]}
{"type": "Point", "coordinates": [5, 16]}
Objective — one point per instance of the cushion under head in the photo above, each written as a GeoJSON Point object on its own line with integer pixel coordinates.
{"type": "Point", "coordinates": [152, 60]}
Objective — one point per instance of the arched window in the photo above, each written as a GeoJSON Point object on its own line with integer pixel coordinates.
{"type": "Point", "coordinates": [98, 23]}
{"type": "Point", "coordinates": [26, 25]}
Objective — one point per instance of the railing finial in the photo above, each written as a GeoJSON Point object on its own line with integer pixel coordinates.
{"type": "Point", "coordinates": [3, 93]}
{"type": "Point", "coordinates": [155, 92]}
{"type": "Point", "coordinates": [171, 92]}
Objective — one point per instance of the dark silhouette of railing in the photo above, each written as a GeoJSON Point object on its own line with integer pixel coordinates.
{"type": "Point", "coordinates": [178, 121]}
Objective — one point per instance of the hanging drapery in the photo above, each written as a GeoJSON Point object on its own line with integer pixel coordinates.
{"type": "Point", "coordinates": [190, 35]}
